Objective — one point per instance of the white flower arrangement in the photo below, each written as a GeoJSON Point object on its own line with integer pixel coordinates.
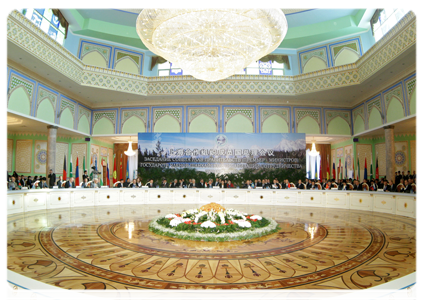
{"type": "Point", "coordinates": [193, 216]}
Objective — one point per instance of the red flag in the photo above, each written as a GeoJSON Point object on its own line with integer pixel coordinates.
{"type": "Point", "coordinates": [365, 168]}
{"type": "Point", "coordinates": [377, 169]}
{"type": "Point", "coordinates": [353, 175]}
{"type": "Point", "coordinates": [114, 171]}
{"type": "Point", "coordinates": [320, 173]}
{"type": "Point", "coordinates": [327, 169]}
{"type": "Point", "coordinates": [120, 168]}
{"type": "Point", "coordinates": [77, 173]}
{"type": "Point", "coordinates": [333, 171]}
{"type": "Point", "coordinates": [64, 169]}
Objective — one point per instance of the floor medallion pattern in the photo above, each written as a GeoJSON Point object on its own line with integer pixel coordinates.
{"type": "Point", "coordinates": [112, 248]}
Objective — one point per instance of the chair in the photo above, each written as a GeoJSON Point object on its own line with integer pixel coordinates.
{"type": "Point", "coordinates": [365, 186]}
{"type": "Point", "coordinates": [116, 183]}
{"type": "Point", "coordinates": [63, 184]}
{"type": "Point", "coordinates": [319, 186]}
{"type": "Point", "coordinates": [399, 187]}
{"type": "Point", "coordinates": [350, 186]}
{"type": "Point", "coordinates": [413, 187]}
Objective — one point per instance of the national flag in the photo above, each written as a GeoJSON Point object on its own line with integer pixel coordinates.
{"type": "Point", "coordinates": [365, 168]}
{"type": "Point", "coordinates": [353, 174]}
{"type": "Point", "coordinates": [64, 168]}
{"type": "Point", "coordinates": [315, 169]}
{"type": "Point", "coordinates": [91, 163]}
{"type": "Point", "coordinates": [120, 168]}
{"type": "Point", "coordinates": [127, 167]}
{"type": "Point", "coordinates": [333, 171]}
{"type": "Point", "coordinates": [114, 169]}
{"type": "Point", "coordinates": [341, 173]}
{"type": "Point", "coordinates": [77, 172]}
{"type": "Point", "coordinates": [340, 170]}
{"type": "Point", "coordinates": [83, 165]}
{"type": "Point", "coordinates": [108, 176]}
{"type": "Point", "coordinates": [321, 171]}
{"type": "Point", "coordinates": [95, 164]}
{"type": "Point", "coordinates": [327, 169]}
{"type": "Point", "coordinates": [358, 169]}
{"type": "Point", "coordinates": [70, 169]}
{"type": "Point", "coordinates": [377, 169]}
{"type": "Point", "coordinates": [346, 170]}
{"type": "Point", "coordinates": [371, 170]}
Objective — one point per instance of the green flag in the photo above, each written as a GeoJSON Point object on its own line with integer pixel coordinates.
{"type": "Point", "coordinates": [371, 171]}
{"type": "Point", "coordinates": [70, 169]}
{"type": "Point", "coordinates": [83, 166]}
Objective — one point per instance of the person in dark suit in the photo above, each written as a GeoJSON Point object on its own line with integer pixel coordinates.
{"type": "Point", "coordinates": [51, 179]}
{"type": "Point", "coordinates": [150, 184]}
{"type": "Point", "coordinates": [200, 185]}
{"type": "Point", "coordinates": [29, 182]}
{"type": "Point", "coordinates": [70, 183]}
{"type": "Point", "coordinates": [391, 186]}
{"type": "Point", "coordinates": [300, 185]}
{"type": "Point", "coordinates": [85, 175]}
{"type": "Point", "coordinates": [174, 184]}
{"type": "Point", "coordinates": [60, 182]}
{"type": "Point", "coordinates": [385, 186]}
{"type": "Point", "coordinates": [406, 188]}
{"type": "Point", "coordinates": [164, 184]}
{"type": "Point", "coordinates": [192, 185]}
{"type": "Point", "coordinates": [85, 184]}
{"type": "Point", "coordinates": [120, 183]}
{"type": "Point", "coordinates": [126, 183]}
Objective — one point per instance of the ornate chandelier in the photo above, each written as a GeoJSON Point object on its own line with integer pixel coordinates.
{"type": "Point", "coordinates": [130, 152]}
{"type": "Point", "coordinates": [212, 44]}
{"type": "Point", "coordinates": [313, 151]}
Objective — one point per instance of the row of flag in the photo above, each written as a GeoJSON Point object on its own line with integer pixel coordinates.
{"type": "Point", "coordinates": [83, 167]}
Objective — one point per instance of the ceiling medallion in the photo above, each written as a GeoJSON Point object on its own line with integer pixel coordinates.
{"type": "Point", "coordinates": [212, 44]}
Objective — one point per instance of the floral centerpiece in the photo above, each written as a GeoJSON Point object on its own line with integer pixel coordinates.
{"type": "Point", "coordinates": [213, 223]}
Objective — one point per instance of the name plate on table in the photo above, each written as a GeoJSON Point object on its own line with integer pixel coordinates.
{"type": "Point", "coordinates": [144, 187]}
{"type": "Point", "coordinates": [259, 187]}
{"type": "Point", "coordinates": [55, 187]}
{"type": "Point", "coordinates": [104, 187]}
{"type": "Point", "coordinates": [293, 188]}
{"type": "Point", "coordinates": [78, 187]}
{"type": "Point", "coordinates": [216, 187]}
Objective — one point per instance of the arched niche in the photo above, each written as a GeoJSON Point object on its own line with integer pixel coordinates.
{"type": "Point", "coordinates": [167, 123]}
{"type": "Point", "coordinates": [308, 125]}
{"type": "Point", "coordinates": [359, 125]}
{"type": "Point", "coordinates": [127, 65]}
{"type": "Point", "coordinates": [275, 124]}
{"type": "Point", "coordinates": [239, 123]}
{"type": "Point", "coordinates": [66, 118]}
{"type": "Point", "coordinates": [395, 110]}
{"type": "Point", "coordinates": [314, 64]}
{"type": "Point", "coordinates": [375, 119]}
{"type": "Point", "coordinates": [45, 111]}
{"type": "Point", "coordinates": [84, 125]}
{"type": "Point", "coordinates": [346, 56]}
{"type": "Point", "coordinates": [95, 59]}
{"type": "Point", "coordinates": [133, 125]}
{"type": "Point", "coordinates": [339, 126]}
{"type": "Point", "coordinates": [413, 103]}
{"type": "Point", "coordinates": [104, 126]}
{"type": "Point", "coordinates": [202, 123]}
{"type": "Point", "coordinates": [19, 101]}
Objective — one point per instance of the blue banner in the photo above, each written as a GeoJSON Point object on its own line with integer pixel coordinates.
{"type": "Point", "coordinates": [222, 153]}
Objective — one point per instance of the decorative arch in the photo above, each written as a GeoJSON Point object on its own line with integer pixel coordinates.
{"type": "Point", "coordinates": [95, 58]}
{"type": "Point", "coordinates": [127, 64]}
{"type": "Point", "coordinates": [202, 123]}
{"type": "Point", "coordinates": [314, 64]}
{"type": "Point", "coordinates": [45, 110]}
{"type": "Point", "coordinates": [275, 124]}
{"type": "Point", "coordinates": [19, 100]}
{"type": "Point", "coordinates": [167, 123]}
{"type": "Point", "coordinates": [346, 56]}
{"type": "Point", "coordinates": [133, 124]}
{"type": "Point", "coordinates": [104, 126]}
{"type": "Point", "coordinates": [66, 118]}
{"type": "Point", "coordinates": [338, 125]}
{"type": "Point", "coordinates": [375, 118]}
{"type": "Point", "coordinates": [239, 123]}
{"type": "Point", "coordinates": [359, 125]}
{"type": "Point", "coordinates": [395, 110]}
{"type": "Point", "coordinates": [412, 102]}
{"type": "Point", "coordinates": [309, 125]}
{"type": "Point", "coordinates": [83, 124]}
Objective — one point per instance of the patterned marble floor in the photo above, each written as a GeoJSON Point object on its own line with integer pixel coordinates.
{"type": "Point", "coordinates": [110, 247]}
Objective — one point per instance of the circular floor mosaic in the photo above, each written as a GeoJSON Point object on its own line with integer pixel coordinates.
{"type": "Point", "coordinates": [112, 248]}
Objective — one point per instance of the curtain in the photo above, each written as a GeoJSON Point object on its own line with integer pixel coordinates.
{"type": "Point", "coordinates": [375, 18]}
{"type": "Point", "coordinates": [324, 151]}
{"type": "Point", "coordinates": [133, 170]}
{"type": "Point", "coordinates": [282, 59]}
{"type": "Point", "coordinates": [311, 166]}
{"type": "Point", "coordinates": [62, 20]}
{"type": "Point", "coordinates": [156, 60]}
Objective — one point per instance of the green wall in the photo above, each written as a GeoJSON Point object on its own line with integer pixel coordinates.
{"type": "Point", "coordinates": [19, 101]}
{"type": "Point", "coordinates": [45, 111]}
{"type": "Point", "coordinates": [339, 126]}
{"type": "Point", "coordinates": [202, 123]}
{"type": "Point", "coordinates": [275, 124]}
{"type": "Point", "coordinates": [308, 125]}
{"type": "Point", "coordinates": [239, 123]}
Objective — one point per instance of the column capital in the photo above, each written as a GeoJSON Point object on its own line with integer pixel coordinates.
{"type": "Point", "coordinates": [52, 127]}
{"type": "Point", "coordinates": [389, 127]}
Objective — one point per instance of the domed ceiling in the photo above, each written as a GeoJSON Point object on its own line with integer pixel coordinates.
{"type": "Point", "coordinates": [306, 26]}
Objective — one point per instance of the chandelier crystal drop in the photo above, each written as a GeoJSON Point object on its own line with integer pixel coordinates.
{"type": "Point", "coordinates": [212, 44]}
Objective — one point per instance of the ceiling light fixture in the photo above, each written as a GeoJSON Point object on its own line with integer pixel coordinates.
{"type": "Point", "coordinates": [212, 44]}
{"type": "Point", "coordinates": [313, 151]}
{"type": "Point", "coordinates": [130, 152]}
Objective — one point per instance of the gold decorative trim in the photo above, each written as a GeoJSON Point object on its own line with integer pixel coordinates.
{"type": "Point", "coordinates": [158, 196]}
{"type": "Point", "coordinates": [35, 200]}
{"type": "Point", "coordinates": [13, 202]}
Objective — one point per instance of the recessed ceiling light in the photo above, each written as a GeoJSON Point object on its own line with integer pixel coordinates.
{"type": "Point", "coordinates": [60, 81]}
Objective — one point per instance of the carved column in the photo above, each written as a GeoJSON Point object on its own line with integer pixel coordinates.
{"type": "Point", "coordinates": [390, 152]}
{"type": "Point", "coordinates": [51, 148]}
